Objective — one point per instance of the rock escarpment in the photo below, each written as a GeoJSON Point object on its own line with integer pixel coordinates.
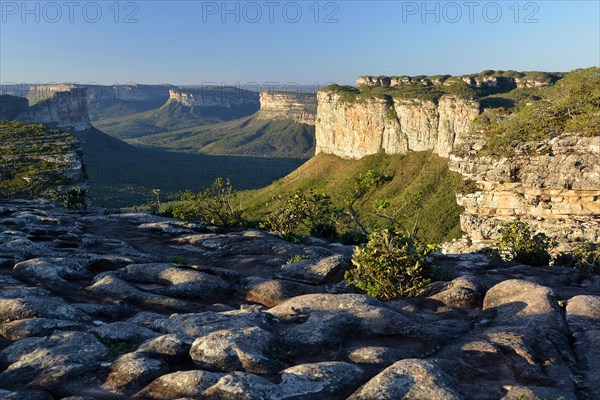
{"type": "Point", "coordinates": [354, 129]}
{"type": "Point", "coordinates": [300, 108]}
{"type": "Point", "coordinates": [64, 109]}
{"type": "Point", "coordinates": [505, 80]}
{"type": "Point", "coordinates": [227, 97]}
{"type": "Point", "coordinates": [556, 190]}
{"type": "Point", "coordinates": [91, 307]}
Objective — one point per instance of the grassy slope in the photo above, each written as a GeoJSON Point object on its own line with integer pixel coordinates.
{"type": "Point", "coordinates": [244, 136]}
{"type": "Point", "coordinates": [422, 184]}
{"type": "Point", "coordinates": [171, 116]}
{"type": "Point", "coordinates": [122, 175]}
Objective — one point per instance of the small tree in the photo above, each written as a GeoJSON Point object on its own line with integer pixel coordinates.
{"type": "Point", "coordinates": [311, 212]}
{"type": "Point", "coordinates": [365, 186]}
{"type": "Point", "coordinates": [75, 198]}
{"type": "Point", "coordinates": [518, 243]}
{"type": "Point", "coordinates": [393, 263]}
{"type": "Point", "coordinates": [215, 205]}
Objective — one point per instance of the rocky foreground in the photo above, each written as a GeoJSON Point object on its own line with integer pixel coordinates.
{"type": "Point", "coordinates": [91, 307]}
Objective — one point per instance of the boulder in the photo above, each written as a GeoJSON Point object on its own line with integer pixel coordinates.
{"type": "Point", "coordinates": [329, 269]}
{"type": "Point", "coordinates": [583, 319]}
{"type": "Point", "coordinates": [20, 329]}
{"type": "Point", "coordinates": [133, 371]}
{"type": "Point", "coordinates": [123, 332]}
{"type": "Point", "coordinates": [59, 362]}
{"type": "Point", "coordinates": [271, 292]}
{"type": "Point", "coordinates": [409, 379]}
{"type": "Point", "coordinates": [242, 349]}
{"type": "Point", "coordinates": [179, 385]}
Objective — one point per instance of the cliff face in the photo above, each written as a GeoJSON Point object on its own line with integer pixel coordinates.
{"type": "Point", "coordinates": [65, 109]}
{"type": "Point", "coordinates": [213, 97]}
{"type": "Point", "coordinates": [499, 81]}
{"type": "Point", "coordinates": [395, 126]}
{"type": "Point", "coordinates": [300, 108]}
{"type": "Point", "coordinates": [556, 192]}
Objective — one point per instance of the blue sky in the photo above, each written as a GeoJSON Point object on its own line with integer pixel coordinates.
{"type": "Point", "coordinates": [194, 42]}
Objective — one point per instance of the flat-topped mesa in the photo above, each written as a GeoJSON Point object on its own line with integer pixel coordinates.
{"type": "Point", "coordinates": [487, 79]}
{"type": "Point", "coordinates": [38, 93]}
{"type": "Point", "coordinates": [63, 109]}
{"type": "Point", "coordinates": [301, 108]}
{"type": "Point", "coordinates": [352, 129]}
{"type": "Point", "coordinates": [556, 191]}
{"type": "Point", "coordinates": [213, 97]}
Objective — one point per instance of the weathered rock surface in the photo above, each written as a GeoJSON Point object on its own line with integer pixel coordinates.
{"type": "Point", "coordinates": [107, 317]}
{"type": "Point", "coordinates": [65, 109]}
{"type": "Point", "coordinates": [555, 190]}
{"type": "Point", "coordinates": [394, 126]}
{"type": "Point", "coordinates": [408, 379]}
{"type": "Point", "coordinates": [298, 107]}
{"type": "Point", "coordinates": [316, 273]}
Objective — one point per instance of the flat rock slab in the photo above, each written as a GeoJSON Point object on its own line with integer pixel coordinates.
{"type": "Point", "coordinates": [329, 269]}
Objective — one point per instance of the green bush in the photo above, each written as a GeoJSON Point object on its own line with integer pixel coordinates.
{"type": "Point", "coordinates": [391, 264]}
{"type": "Point", "coordinates": [217, 205]}
{"type": "Point", "coordinates": [584, 257]}
{"type": "Point", "coordinates": [179, 260]}
{"type": "Point", "coordinates": [75, 198]}
{"type": "Point", "coordinates": [572, 105]}
{"type": "Point", "coordinates": [308, 212]}
{"type": "Point", "coordinates": [296, 258]}
{"type": "Point", "coordinates": [517, 243]}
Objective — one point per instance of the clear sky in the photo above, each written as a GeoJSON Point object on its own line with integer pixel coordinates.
{"type": "Point", "coordinates": [195, 42]}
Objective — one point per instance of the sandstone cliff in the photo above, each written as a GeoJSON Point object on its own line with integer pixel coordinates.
{"type": "Point", "coordinates": [64, 109]}
{"type": "Point", "coordinates": [491, 79]}
{"type": "Point", "coordinates": [299, 108]}
{"type": "Point", "coordinates": [394, 126]}
{"type": "Point", "coordinates": [227, 97]}
{"type": "Point", "coordinates": [556, 191]}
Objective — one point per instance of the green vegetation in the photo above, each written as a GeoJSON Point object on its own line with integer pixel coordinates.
{"type": "Point", "coordinates": [392, 264]}
{"type": "Point", "coordinates": [178, 260]}
{"type": "Point", "coordinates": [246, 136]}
{"type": "Point", "coordinates": [584, 256]}
{"type": "Point", "coordinates": [75, 198]}
{"type": "Point", "coordinates": [170, 117]}
{"type": "Point", "coordinates": [35, 160]}
{"type": "Point", "coordinates": [518, 243]}
{"type": "Point", "coordinates": [117, 348]}
{"type": "Point", "coordinates": [327, 196]}
{"type": "Point", "coordinates": [216, 205]}
{"type": "Point", "coordinates": [296, 258]}
{"type": "Point", "coordinates": [300, 213]}
{"type": "Point", "coordinates": [571, 105]}
{"type": "Point", "coordinates": [418, 184]}
{"type": "Point", "coordinates": [121, 175]}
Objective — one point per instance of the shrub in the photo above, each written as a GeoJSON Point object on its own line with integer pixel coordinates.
{"type": "Point", "coordinates": [391, 264]}
{"type": "Point", "coordinates": [296, 258]}
{"type": "Point", "coordinates": [215, 206]}
{"type": "Point", "coordinates": [517, 243]}
{"type": "Point", "coordinates": [584, 257]}
{"type": "Point", "coordinates": [309, 212]}
{"type": "Point", "coordinates": [179, 260]}
{"type": "Point", "coordinates": [75, 198]}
